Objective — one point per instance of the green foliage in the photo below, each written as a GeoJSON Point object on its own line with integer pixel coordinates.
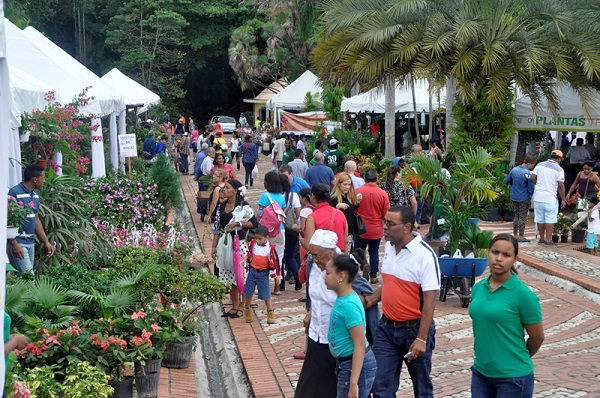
{"type": "Point", "coordinates": [167, 179]}
{"type": "Point", "coordinates": [332, 101]}
{"type": "Point", "coordinates": [312, 102]}
{"type": "Point", "coordinates": [83, 380]}
{"type": "Point", "coordinates": [41, 381]}
{"type": "Point", "coordinates": [65, 216]}
{"type": "Point", "coordinates": [354, 143]}
{"type": "Point", "coordinates": [479, 124]}
{"type": "Point", "coordinates": [475, 240]}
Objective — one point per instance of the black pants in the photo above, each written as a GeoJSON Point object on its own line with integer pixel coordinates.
{"type": "Point", "coordinates": [249, 167]}
{"type": "Point", "coordinates": [183, 163]}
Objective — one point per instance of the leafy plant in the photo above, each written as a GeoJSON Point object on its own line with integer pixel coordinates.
{"type": "Point", "coordinates": [18, 211]}
{"type": "Point", "coordinates": [82, 380]}
{"type": "Point", "coordinates": [563, 225]}
{"type": "Point", "coordinates": [475, 240]}
{"type": "Point", "coordinates": [41, 382]}
{"type": "Point", "coordinates": [167, 180]}
{"type": "Point", "coordinates": [312, 102]}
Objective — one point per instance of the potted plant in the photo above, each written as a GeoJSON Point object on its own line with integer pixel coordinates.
{"type": "Point", "coordinates": [179, 352]}
{"type": "Point", "coordinates": [85, 380]}
{"type": "Point", "coordinates": [16, 215]}
{"type": "Point", "coordinates": [578, 233]}
{"type": "Point", "coordinates": [562, 228]}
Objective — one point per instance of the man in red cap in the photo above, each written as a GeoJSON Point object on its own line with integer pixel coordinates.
{"type": "Point", "coordinates": [548, 178]}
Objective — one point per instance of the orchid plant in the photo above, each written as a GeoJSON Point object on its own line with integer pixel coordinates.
{"type": "Point", "coordinates": [18, 211]}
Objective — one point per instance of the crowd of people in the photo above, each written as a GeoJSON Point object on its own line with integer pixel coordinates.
{"type": "Point", "coordinates": [321, 225]}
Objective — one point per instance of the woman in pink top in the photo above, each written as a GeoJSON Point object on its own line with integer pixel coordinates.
{"type": "Point", "coordinates": [220, 163]}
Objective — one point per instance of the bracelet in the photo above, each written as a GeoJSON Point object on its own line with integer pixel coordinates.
{"type": "Point", "coordinates": [421, 340]}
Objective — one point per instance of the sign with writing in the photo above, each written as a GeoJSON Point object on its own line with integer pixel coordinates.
{"type": "Point", "coordinates": [557, 123]}
{"type": "Point", "coordinates": [127, 146]}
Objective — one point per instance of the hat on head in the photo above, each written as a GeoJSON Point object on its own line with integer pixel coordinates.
{"type": "Point", "coordinates": [556, 153]}
{"type": "Point", "coordinates": [333, 142]}
{"type": "Point", "coordinates": [224, 147]}
{"type": "Point", "coordinates": [398, 160]}
{"type": "Point", "coordinates": [324, 239]}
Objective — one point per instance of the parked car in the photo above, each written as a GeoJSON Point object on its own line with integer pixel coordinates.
{"type": "Point", "coordinates": [227, 122]}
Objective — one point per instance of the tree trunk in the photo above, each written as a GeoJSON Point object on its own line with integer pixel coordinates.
{"type": "Point", "coordinates": [415, 114]}
{"type": "Point", "coordinates": [390, 117]}
{"type": "Point", "coordinates": [450, 122]}
{"type": "Point", "coordinates": [430, 108]}
{"type": "Point", "coordinates": [514, 144]}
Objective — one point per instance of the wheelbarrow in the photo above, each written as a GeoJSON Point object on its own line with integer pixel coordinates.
{"type": "Point", "coordinates": [459, 275]}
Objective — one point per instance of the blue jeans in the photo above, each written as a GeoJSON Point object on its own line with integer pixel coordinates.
{"type": "Point", "coordinates": [289, 254]}
{"type": "Point", "coordinates": [365, 380]}
{"type": "Point", "coordinates": [249, 167]}
{"type": "Point", "coordinates": [390, 346]}
{"type": "Point", "coordinates": [491, 387]}
{"type": "Point", "coordinates": [419, 207]}
{"type": "Point", "coordinates": [373, 245]}
{"type": "Point", "coordinates": [25, 264]}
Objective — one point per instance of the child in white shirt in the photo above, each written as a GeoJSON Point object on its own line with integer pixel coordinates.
{"type": "Point", "coordinates": [593, 228]}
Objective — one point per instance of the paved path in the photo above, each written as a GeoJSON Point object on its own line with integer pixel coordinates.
{"type": "Point", "coordinates": [568, 365]}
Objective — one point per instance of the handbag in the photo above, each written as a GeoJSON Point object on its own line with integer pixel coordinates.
{"type": "Point", "coordinates": [290, 215]}
{"type": "Point", "coordinates": [360, 225]}
{"type": "Point", "coordinates": [225, 252]}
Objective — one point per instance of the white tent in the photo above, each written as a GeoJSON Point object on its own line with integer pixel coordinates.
{"type": "Point", "coordinates": [571, 117]}
{"type": "Point", "coordinates": [374, 99]}
{"type": "Point", "coordinates": [133, 92]}
{"type": "Point", "coordinates": [27, 92]}
{"type": "Point", "coordinates": [292, 97]}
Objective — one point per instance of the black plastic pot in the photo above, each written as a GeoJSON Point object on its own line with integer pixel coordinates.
{"type": "Point", "coordinates": [555, 238]}
{"type": "Point", "coordinates": [493, 214]}
{"type": "Point", "coordinates": [564, 238]}
{"type": "Point", "coordinates": [147, 378]}
{"type": "Point", "coordinates": [123, 389]}
{"type": "Point", "coordinates": [508, 215]}
{"type": "Point", "coordinates": [178, 354]}
{"type": "Point", "coordinates": [577, 235]}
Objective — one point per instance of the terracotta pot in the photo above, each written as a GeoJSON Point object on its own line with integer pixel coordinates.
{"type": "Point", "coordinates": [43, 163]}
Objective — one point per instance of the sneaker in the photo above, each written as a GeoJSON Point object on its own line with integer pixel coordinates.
{"type": "Point", "coordinates": [374, 281]}
{"type": "Point", "coordinates": [542, 242]}
{"type": "Point", "coordinates": [550, 243]}
{"type": "Point", "coordinates": [270, 317]}
{"type": "Point", "coordinates": [523, 240]}
{"type": "Point", "coordinates": [298, 286]}
{"type": "Point", "coordinates": [248, 314]}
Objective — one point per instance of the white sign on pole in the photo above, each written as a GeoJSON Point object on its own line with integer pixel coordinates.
{"type": "Point", "coordinates": [127, 146]}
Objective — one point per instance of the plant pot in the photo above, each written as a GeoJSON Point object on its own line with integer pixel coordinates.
{"type": "Point", "coordinates": [178, 354]}
{"type": "Point", "coordinates": [147, 378]}
{"type": "Point", "coordinates": [12, 232]}
{"type": "Point", "coordinates": [577, 235]}
{"type": "Point", "coordinates": [43, 163]}
{"type": "Point", "coordinates": [123, 388]}
{"type": "Point", "coordinates": [25, 136]}
{"type": "Point", "coordinates": [555, 238]}
{"type": "Point", "coordinates": [508, 215]}
{"type": "Point", "coordinates": [493, 214]}
{"type": "Point", "coordinates": [564, 238]}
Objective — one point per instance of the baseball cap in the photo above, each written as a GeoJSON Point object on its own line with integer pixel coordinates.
{"type": "Point", "coordinates": [398, 160]}
{"type": "Point", "coordinates": [224, 147]}
{"type": "Point", "coordinates": [333, 141]}
{"type": "Point", "coordinates": [557, 153]}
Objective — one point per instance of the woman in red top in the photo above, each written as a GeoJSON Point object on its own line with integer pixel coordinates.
{"type": "Point", "coordinates": [325, 217]}
{"type": "Point", "coordinates": [220, 163]}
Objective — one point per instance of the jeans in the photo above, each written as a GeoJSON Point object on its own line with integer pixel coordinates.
{"type": "Point", "coordinates": [249, 167]}
{"type": "Point", "coordinates": [491, 387]}
{"type": "Point", "coordinates": [365, 380]}
{"type": "Point", "coordinates": [419, 207]}
{"type": "Point", "coordinates": [25, 264]}
{"type": "Point", "coordinates": [373, 245]}
{"type": "Point", "coordinates": [390, 346]}
{"type": "Point", "coordinates": [289, 254]}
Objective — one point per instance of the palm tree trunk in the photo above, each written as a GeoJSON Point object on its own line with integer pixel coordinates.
{"type": "Point", "coordinates": [514, 144]}
{"type": "Point", "coordinates": [390, 117]}
{"type": "Point", "coordinates": [430, 108]}
{"type": "Point", "coordinates": [416, 115]}
{"type": "Point", "coordinates": [450, 122]}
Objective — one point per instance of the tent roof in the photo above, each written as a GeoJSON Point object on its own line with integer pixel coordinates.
{"type": "Point", "coordinates": [53, 71]}
{"type": "Point", "coordinates": [374, 99]}
{"type": "Point", "coordinates": [571, 116]}
{"type": "Point", "coordinates": [268, 93]}
{"type": "Point", "coordinates": [293, 95]}
{"type": "Point", "coordinates": [133, 92]}
{"type": "Point", "coordinates": [27, 92]}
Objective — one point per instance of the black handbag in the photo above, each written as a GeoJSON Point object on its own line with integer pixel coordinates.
{"type": "Point", "coordinates": [360, 225]}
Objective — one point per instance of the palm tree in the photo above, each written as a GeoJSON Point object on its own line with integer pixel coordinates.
{"type": "Point", "coordinates": [491, 44]}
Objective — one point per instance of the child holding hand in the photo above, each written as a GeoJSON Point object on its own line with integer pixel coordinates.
{"type": "Point", "coordinates": [262, 262]}
{"type": "Point", "coordinates": [593, 228]}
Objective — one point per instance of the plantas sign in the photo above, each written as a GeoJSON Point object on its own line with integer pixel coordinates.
{"type": "Point", "coordinates": [127, 146]}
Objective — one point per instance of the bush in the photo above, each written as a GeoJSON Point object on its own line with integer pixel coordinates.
{"type": "Point", "coordinates": [167, 180]}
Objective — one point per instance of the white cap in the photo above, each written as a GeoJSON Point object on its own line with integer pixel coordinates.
{"type": "Point", "coordinates": [333, 142]}
{"type": "Point", "coordinates": [224, 147]}
{"type": "Point", "coordinates": [325, 239]}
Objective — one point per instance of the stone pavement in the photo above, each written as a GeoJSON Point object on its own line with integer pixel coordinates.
{"type": "Point", "coordinates": [568, 364]}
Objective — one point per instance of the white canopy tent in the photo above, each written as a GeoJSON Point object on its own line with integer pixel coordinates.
{"type": "Point", "coordinates": [374, 99]}
{"type": "Point", "coordinates": [292, 97]}
{"type": "Point", "coordinates": [133, 92]}
{"type": "Point", "coordinates": [106, 100]}
{"type": "Point", "coordinates": [571, 117]}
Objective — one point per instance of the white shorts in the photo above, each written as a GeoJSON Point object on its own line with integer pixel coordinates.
{"type": "Point", "coordinates": [545, 213]}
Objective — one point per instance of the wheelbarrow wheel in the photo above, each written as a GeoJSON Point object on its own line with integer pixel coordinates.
{"type": "Point", "coordinates": [465, 292]}
{"type": "Point", "coordinates": [444, 288]}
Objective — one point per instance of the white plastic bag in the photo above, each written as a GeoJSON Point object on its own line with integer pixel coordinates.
{"type": "Point", "coordinates": [457, 254]}
{"type": "Point", "coordinates": [225, 252]}
{"type": "Point", "coordinates": [255, 172]}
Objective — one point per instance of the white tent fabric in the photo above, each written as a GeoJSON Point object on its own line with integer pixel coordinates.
{"type": "Point", "coordinates": [292, 97]}
{"type": "Point", "coordinates": [374, 99]}
{"type": "Point", "coordinates": [571, 117]}
{"type": "Point", "coordinates": [27, 92]}
{"type": "Point", "coordinates": [133, 92]}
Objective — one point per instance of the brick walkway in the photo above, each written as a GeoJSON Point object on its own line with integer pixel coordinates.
{"type": "Point", "coordinates": [572, 326]}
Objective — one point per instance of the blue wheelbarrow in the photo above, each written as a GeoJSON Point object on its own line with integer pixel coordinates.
{"type": "Point", "coordinates": [459, 275]}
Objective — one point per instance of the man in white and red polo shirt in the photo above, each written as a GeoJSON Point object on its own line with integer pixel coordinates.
{"type": "Point", "coordinates": [406, 331]}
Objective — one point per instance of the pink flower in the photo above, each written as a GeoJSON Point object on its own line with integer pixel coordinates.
{"type": "Point", "coordinates": [155, 327]}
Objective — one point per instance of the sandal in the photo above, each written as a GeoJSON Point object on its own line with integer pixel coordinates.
{"type": "Point", "coordinates": [236, 314]}
{"type": "Point", "coordinates": [227, 314]}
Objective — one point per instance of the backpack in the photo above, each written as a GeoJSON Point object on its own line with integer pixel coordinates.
{"type": "Point", "coordinates": [273, 258]}
{"type": "Point", "coordinates": [272, 217]}
{"type": "Point", "coordinates": [290, 214]}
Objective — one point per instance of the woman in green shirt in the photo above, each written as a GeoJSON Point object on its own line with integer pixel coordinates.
{"type": "Point", "coordinates": [503, 308]}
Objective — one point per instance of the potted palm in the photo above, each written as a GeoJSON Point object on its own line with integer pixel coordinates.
{"type": "Point", "coordinates": [561, 229]}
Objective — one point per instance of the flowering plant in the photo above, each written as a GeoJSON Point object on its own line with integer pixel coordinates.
{"type": "Point", "coordinates": [18, 211]}
{"type": "Point", "coordinates": [189, 317]}
{"type": "Point", "coordinates": [111, 352]}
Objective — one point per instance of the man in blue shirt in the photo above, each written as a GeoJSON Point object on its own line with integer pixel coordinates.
{"type": "Point", "coordinates": [198, 164]}
{"type": "Point", "coordinates": [296, 183]}
{"type": "Point", "coordinates": [22, 248]}
{"type": "Point", "coordinates": [149, 147]}
{"type": "Point", "coordinates": [319, 173]}
{"type": "Point", "coordinates": [521, 190]}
